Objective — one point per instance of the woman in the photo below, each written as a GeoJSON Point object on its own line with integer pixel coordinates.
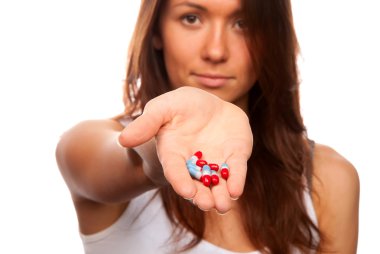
{"type": "Point", "coordinates": [197, 69]}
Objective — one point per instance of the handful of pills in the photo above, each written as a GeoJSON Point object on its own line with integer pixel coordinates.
{"type": "Point", "coordinates": [205, 172]}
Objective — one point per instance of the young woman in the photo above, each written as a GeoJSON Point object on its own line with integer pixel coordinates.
{"type": "Point", "coordinates": [219, 77]}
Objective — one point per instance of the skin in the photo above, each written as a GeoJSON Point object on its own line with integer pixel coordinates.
{"type": "Point", "coordinates": [204, 40]}
{"type": "Point", "coordinates": [179, 131]}
{"type": "Point", "coordinates": [112, 164]}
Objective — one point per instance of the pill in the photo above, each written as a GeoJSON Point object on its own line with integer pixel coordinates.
{"type": "Point", "coordinates": [214, 166]}
{"type": "Point", "coordinates": [224, 165]}
{"type": "Point", "coordinates": [193, 159]}
{"type": "Point", "coordinates": [190, 163]}
{"type": "Point", "coordinates": [193, 166]}
{"type": "Point", "coordinates": [224, 171]}
{"type": "Point", "coordinates": [206, 179]}
{"type": "Point", "coordinates": [201, 163]}
{"type": "Point", "coordinates": [198, 154]}
{"type": "Point", "coordinates": [206, 175]}
{"type": "Point", "coordinates": [204, 172]}
{"type": "Point", "coordinates": [206, 169]}
{"type": "Point", "coordinates": [214, 178]}
{"type": "Point", "coordinates": [197, 174]}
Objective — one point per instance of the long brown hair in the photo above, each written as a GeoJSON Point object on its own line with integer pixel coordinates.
{"type": "Point", "coordinates": [273, 209]}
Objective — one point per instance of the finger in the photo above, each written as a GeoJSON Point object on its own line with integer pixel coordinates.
{"type": "Point", "coordinates": [237, 173]}
{"type": "Point", "coordinates": [223, 202]}
{"type": "Point", "coordinates": [203, 198]}
{"type": "Point", "coordinates": [176, 174]}
{"type": "Point", "coordinates": [146, 126]}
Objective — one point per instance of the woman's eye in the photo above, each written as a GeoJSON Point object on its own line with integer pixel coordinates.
{"type": "Point", "coordinates": [240, 24]}
{"type": "Point", "coordinates": [190, 19]}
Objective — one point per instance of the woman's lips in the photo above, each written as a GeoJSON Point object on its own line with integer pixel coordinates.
{"type": "Point", "coordinates": [211, 80]}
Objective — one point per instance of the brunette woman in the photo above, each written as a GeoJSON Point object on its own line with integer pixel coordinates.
{"type": "Point", "coordinates": [217, 76]}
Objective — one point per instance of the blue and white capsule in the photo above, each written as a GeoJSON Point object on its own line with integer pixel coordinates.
{"type": "Point", "coordinates": [224, 171]}
{"type": "Point", "coordinates": [206, 175]}
{"type": "Point", "coordinates": [194, 172]}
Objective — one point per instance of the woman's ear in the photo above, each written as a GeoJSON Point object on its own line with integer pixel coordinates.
{"type": "Point", "coordinates": [157, 42]}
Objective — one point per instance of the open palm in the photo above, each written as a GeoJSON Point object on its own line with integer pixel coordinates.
{"type": "Point", "coordinates": [187, 120]}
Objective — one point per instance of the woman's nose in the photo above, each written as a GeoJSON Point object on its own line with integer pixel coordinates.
{"type": "Point", "coordinates": [215, 45]}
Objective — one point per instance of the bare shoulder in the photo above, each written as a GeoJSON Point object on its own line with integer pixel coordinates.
{"type": "Point", "coordinates": [333, 173]}
{"type": "Point", "coordinates": [336, 199]}
{"type": "Point", "coordinates": [88, 125]}
{"type": "Point", "coordinates": [77, 159]}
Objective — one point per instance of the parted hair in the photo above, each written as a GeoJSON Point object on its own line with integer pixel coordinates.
{"type": "Point", "coordinates": [272, 205]}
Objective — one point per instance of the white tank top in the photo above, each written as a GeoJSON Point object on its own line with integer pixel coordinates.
{"type": "Point", "coordinates": [145, 228]}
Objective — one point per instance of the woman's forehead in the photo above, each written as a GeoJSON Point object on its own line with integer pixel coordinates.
{"type": "Point", "coordinates": [206, 4]}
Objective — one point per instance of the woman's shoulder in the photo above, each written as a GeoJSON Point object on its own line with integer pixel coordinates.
{"type": "Point", "coordinates": [336, 197]}
{"type": "Point", "coordinates": [333, 170]}
{"type": "Point", "coordinates": [83, 126]}
{"type": "Point", "coordinates": [73, 153]}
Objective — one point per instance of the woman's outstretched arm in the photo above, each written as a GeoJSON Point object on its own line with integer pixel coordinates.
{"type": "Point", "coordinates": [102, 176]}
{"type": "Point", "coordinates": [96, 167]}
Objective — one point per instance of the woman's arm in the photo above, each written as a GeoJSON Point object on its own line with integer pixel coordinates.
{"type": "Point", "coordinates": [101, 175]}
{"type": "Point", "coordinates": [156, 146]}
{"type": "Point", "coordinates": [336, 199]}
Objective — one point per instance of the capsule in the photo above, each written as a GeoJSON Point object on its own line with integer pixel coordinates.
{"type": "Point", "coordinates": [224, 171]}
{"type": "Point", "coordinates": [198, 154]}
{"type": "Point", "coordinates": [206, 175]}
{"type": "Point", "coordinates": [190, 165]}
{"type": "Point", "coordinates": [214, 166]}
{"type": "Point", "coordinates": [201, 163]}
{"type": "Point", "coordinates": [197, 174]}
{"type": "Point", "coordinates": [206, 180]}
{"type": "Point", "coordinates": [214, 177]}
{"type": "Point", "coordinates": [193, 159]}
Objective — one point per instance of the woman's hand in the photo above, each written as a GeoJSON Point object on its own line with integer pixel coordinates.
{"type": "Point", "coordinates": [187, 120]}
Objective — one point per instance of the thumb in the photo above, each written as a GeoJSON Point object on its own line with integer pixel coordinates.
{"type": "Point", "coordinates": [146, 126]}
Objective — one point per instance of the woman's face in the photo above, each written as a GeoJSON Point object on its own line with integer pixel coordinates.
{"type": "Point", "coordinates": [204, 46]}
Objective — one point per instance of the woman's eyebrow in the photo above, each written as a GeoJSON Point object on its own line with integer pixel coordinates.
{"type": "Point", "coordinates": [202, 8]}
{"type": "Point", "coordinates": [192, 5]}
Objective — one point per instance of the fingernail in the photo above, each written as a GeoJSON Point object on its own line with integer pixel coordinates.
{"type": "Point", "coordinates": [234, 198]}
{"type": "Point", "coordinates": [192, 201]}
{"type": "Point", "coordinates": [204, 210]}
{"type": "Point", "coordinates": [118, 143]}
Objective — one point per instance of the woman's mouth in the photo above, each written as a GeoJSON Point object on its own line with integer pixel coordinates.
{"type": "Point", "coordinates": [211, 80]}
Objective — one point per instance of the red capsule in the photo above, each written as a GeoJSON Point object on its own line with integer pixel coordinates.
{"type": "Point", "coordinates": [198, 154]}
{"type": "Point", "coordinates": [214, 166]}
{"type": "Point", "coordinates": [214, 179]}
{"type": "Point", "coordinates": [224, 173]}
{"type": "Point", "coordinates": [206, 179]}
{"type": "Point", "coordinates": [201, 163]}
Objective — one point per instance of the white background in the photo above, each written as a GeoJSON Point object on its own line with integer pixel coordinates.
{"type": "Point", "coordinates": [63, 61]}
